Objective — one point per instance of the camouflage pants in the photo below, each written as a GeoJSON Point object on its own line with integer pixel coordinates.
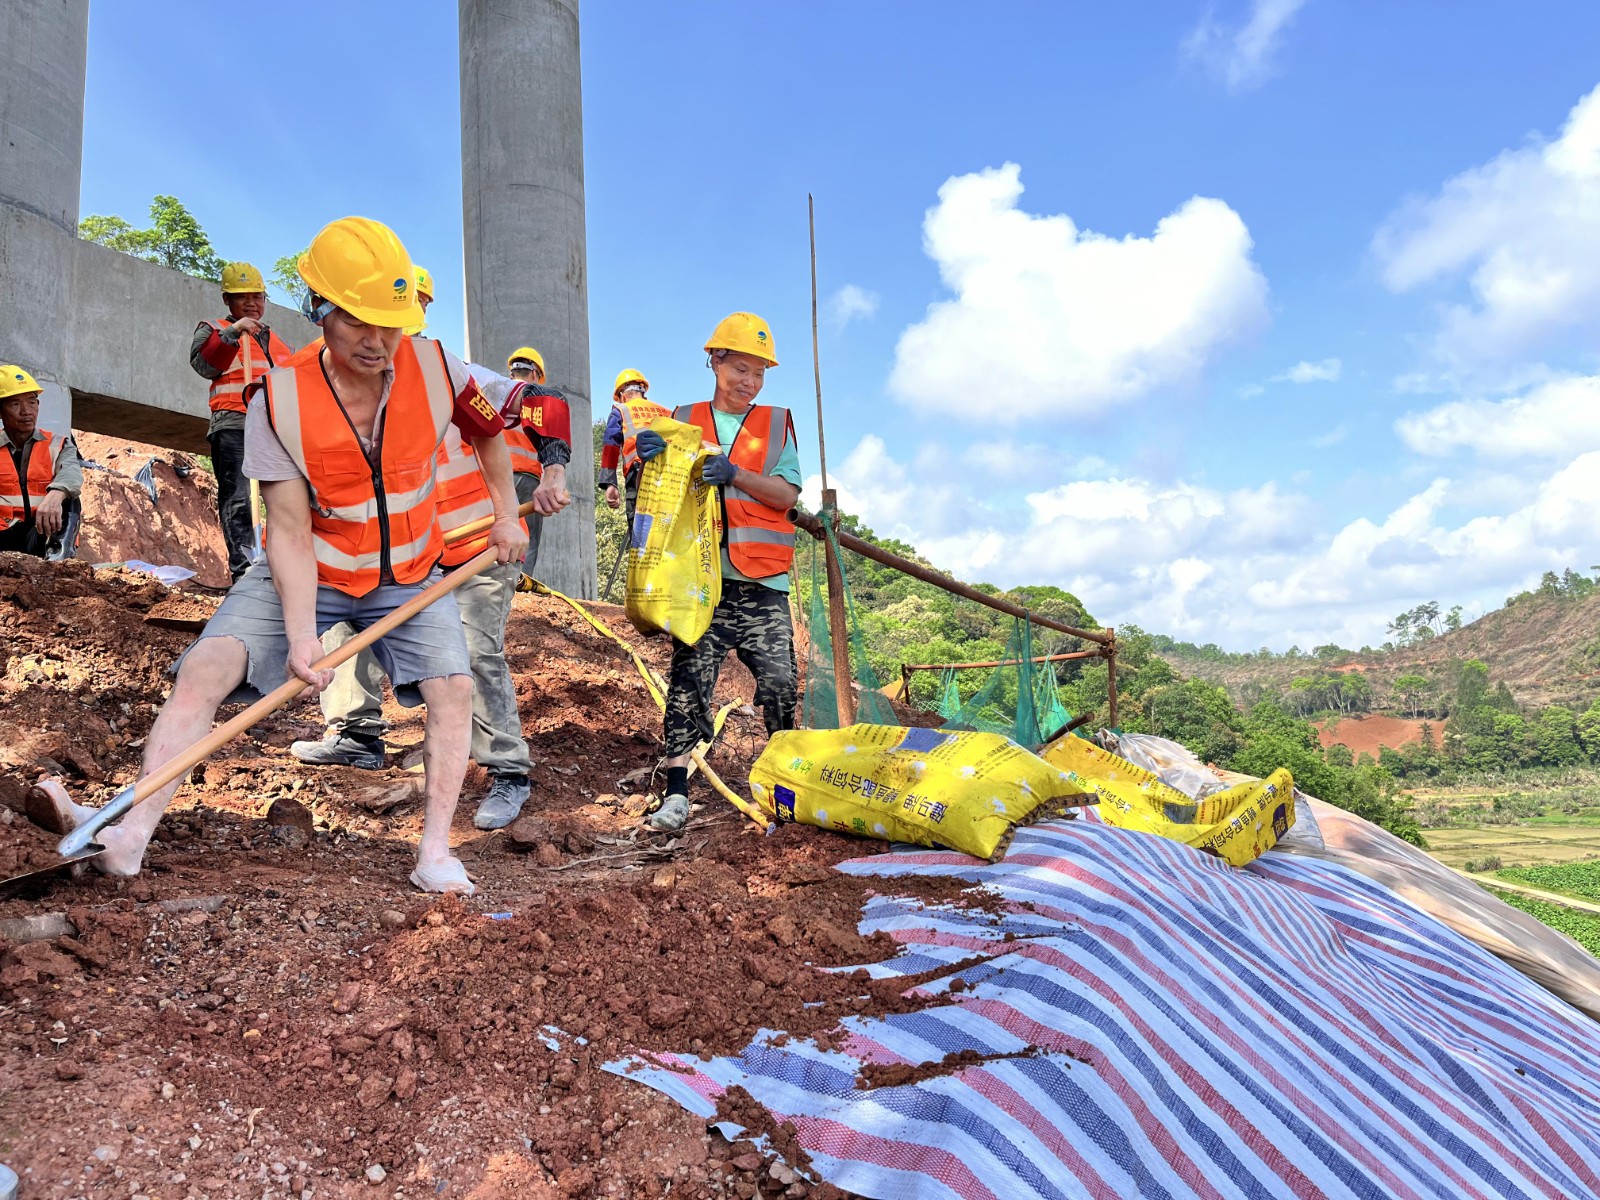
{"type": "Point", "coordinates": [753, 622]}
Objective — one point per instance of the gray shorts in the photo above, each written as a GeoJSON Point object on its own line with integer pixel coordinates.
{"type": "Point", "coordinates": [428, 646]}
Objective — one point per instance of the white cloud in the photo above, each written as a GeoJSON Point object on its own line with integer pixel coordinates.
{"type": "Point", "coordinates": [1556, 421]}
{"type": "Point", "coordinates": [1250, 390]}
{"type": "Point", "coordinates": [1243, 57]}
{"type": "Point", "coordinates": [1333, 437]}
{"type": "Point", "coordinates": [1244, 566]}
{"type": "Point", "coordinates": [1326, 371]}
{"type": "Point", "coordinates": [1523, 230]}
{"type": "Point", "coordinates": [850, 303]}
{"type": "Point", "coordinates": [1050, 320]}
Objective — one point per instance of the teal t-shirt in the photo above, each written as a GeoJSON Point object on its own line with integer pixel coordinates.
{"type": "Point", "coordinates": [788, 468]}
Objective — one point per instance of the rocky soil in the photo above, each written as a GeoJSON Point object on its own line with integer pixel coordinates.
{"type": "Point", "coordinates": [271, 1011]}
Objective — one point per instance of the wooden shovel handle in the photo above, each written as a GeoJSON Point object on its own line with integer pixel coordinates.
{"type": "Point", "coordinates": [273, 701]}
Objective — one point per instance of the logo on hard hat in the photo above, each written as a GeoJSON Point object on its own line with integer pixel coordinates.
{"type": "Point", "coordinates": [761, 335]}
{"type": "Point", "coordinates": [399, 289]}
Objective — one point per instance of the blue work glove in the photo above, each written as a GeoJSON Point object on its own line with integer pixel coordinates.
{"type": "Point", "coordinates": [649, 443]}
{"type": "Point", "coordinates": [718, 470]}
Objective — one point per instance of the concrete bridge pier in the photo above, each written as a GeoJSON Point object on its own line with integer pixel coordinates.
{"type": "Point", "coordinates": [523, 208]}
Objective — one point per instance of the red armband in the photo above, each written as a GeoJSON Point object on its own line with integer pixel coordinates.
{"type": "Point", "coordinates": [547, 414]}
{"type": "Point", "coordinates": [610, 455]}
{"type": "Point", "coordinates": [474, 416]}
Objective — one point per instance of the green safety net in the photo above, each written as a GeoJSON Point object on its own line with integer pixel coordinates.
{"type": "Point", "coordinates": [1019, 698]}
{"type": "Point", "coordinates": [949, 693]}
{"type": "Point", "coordinates": [819, 709]}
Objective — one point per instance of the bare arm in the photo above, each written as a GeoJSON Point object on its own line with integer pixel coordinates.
{"type": "Point", "coordinates": [294, 573]}
{"type": "Point", "coordinates": [506, 534]}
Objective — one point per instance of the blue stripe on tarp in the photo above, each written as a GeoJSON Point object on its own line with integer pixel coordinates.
{"type": "Point", "coordinates": [1308, 944]}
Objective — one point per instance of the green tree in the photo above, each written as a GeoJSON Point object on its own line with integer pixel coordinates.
{"type": "Point", "coordinates": [1410, 690]}
{"type": "Point", "coordinates": [610, 533]}
{"type": "Point", "coordinates": [174, 239]}
{"type": "Point", "coordinates": [286, 276]}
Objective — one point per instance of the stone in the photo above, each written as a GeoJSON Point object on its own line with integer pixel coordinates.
{"type": "Point", "coordinates": [392, 918]}
{"type": "Point", "coordinates": [547, 855]}
{"type": "Point", "coordinates": [376, 1174]}
{"type": "Point", "coordinates": [374, 1090]}
{"type": "Point", "coordinates": [288, 813]}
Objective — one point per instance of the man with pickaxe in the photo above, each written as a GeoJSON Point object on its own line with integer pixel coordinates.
{"type": "Point", "coordinates": [344, 442]}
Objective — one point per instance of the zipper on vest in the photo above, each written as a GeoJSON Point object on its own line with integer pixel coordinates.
{"type": "Point", "coordinates": [385, 568]}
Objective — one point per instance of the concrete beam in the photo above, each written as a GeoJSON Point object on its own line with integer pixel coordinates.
{"type": "Point", "coordinates": [110, 328]}
{"type": "Point", "coordinates": [523, 208]}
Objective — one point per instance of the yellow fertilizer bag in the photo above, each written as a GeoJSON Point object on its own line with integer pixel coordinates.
{"type": "Point", "coordinates": [1237, 825]}
{"type": "Point", "coordinates": [675, 543]}
{"type": "Point", "coordinates": [929, 787]}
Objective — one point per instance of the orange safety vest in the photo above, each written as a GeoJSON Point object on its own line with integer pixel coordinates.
{"type": "Point", "coordinates": [16, 502]}
{"type": "Point", "coordinates": [228, 389]}
{"type": "Point", "coordinates": [463, 496]}
{"type": "Point", "coordinates": [365, 518]}
{"type": "Point", "coordinates": [636, 417]}
{"type": "Point", "coordinates": [524, 458]}
{"type": "Point", "coordinates": [760, 538]}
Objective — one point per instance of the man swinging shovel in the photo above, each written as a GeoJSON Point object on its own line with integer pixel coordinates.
{"type": "Point", "coordinates": [343, 441]}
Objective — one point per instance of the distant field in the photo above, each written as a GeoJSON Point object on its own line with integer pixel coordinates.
{"type": "Point", "coordinates": [1530, 820]}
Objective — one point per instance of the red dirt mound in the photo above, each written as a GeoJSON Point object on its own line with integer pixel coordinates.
{"type": "Point", "coordinates": [1367, 734]}
{"type": "Point", "coordinates": [178, 528]}
{"type": "Point", "coordinates": [269, 1010]}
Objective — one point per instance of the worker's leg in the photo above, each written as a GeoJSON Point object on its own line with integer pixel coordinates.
{"type": "Point", "coordinates": [497, 742]}
{"type": "Point", "coordinates": [211, 670]}
{"type": "Point", "coordinates": [240, 655]}
{"type": "Point", "coordinates": [352, 710]}
{"type": "Point", "coordinates": [765, 644]}
{"type": "Point", "coordinates": [233, 498]}
{"type": "Point", "coordinates": [449, 731]}
{"type": "Point", "coordinates": [426, 660]}
{"type": "Point", "coordinates": [526, 485]}
{"type": "Point", "coordinates": [688, 721]}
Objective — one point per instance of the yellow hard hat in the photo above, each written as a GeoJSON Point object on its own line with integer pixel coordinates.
{"type": "Point", "coordinates": [526, 354]}
{"type": "Point", "coordinates": [424, 282]}
{"type": "Point", "coordinates": [625, 378]}
{"type": "Point", "coordinates": [14, 381]}
{"type": "Point", "coordinates": [746, 333]}
{"type": "Point", "coordinates": [361, 266]}
{"type": "Point", "coordinates": [241, 277]}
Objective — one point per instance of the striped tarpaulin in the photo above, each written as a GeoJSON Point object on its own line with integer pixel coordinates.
{"type": "Point", "coordinates": [1154, 1023]}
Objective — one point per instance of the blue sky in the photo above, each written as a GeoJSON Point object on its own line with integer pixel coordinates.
{"type": "Point", "coordinates": [1289, 327]}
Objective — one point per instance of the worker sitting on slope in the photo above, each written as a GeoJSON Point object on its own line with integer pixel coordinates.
{"type": "Point", "coordinates": [233, 352]}
{"type": "Point", "coordinates": [40, 475]}
{"type": "Point", "coordinates": [631, 413]}
{"type": "Point", "coordinates": [344, 444]}
{"type": "Point", "coordinates": [759, 474]}
{"type": "Point", "coordinates": [543, 438]}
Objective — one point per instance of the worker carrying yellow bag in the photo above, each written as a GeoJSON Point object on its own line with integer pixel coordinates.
{"type": "Point", "coordinates": [1238, 824]}
{"type": "Point", "coordinates": [929, 787]}
{"type": "Point", "coordinates": [674, 557]}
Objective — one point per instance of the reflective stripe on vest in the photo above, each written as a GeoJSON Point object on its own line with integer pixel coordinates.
{"type": "Point", "coordinates": [524, 458]}
{"type": "Point", "coordinates": [227, 389]}
{"type": "Point", "coordinates": [463, 496]}
{"type": "Point", "coordinates": [759, 538]}
{"type": "Point", "coordinates": [637, 416]}
{"type": "Point", "coordinates": [14, 506]}
{"type": "Point", "coordinates": [360, 514]}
